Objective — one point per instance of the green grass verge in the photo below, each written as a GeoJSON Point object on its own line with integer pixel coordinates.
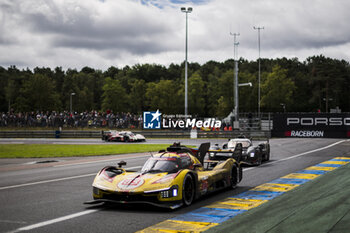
{"type": "Point", "coordinates": [49, 150]}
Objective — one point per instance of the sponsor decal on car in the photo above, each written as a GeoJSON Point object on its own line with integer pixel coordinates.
{"type": "Point", "coordinates": [131, 183]}
{"type": "Point", "coordinates": [204, 185]}
{"type": "Point", "coordinates": [166, 178]}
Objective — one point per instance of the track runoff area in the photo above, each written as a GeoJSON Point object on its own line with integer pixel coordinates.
{"type": "Point", "coordinates": [211, 216]}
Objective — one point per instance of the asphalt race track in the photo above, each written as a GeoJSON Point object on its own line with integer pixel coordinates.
{"type": "Point", "coordinates": [48, 197]}
{"type": "Point", "coordinates": [100, 142]}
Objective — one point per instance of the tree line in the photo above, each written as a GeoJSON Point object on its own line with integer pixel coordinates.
{"type": "Point", "coordinates": [317, 84]}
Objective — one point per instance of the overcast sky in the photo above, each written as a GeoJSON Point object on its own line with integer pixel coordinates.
{"type": "Point", "coordinates": [100, 34]}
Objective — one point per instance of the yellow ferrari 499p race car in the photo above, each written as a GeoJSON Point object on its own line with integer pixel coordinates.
{"type": "Point", "coordinates": [171, 178]}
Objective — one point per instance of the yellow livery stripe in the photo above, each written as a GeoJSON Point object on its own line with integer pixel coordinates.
{"type": "Point", "coordinates": [175, 226]}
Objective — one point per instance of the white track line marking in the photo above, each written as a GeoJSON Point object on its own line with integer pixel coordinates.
{"type": "Point", "coordinates": [295, 156]}
{"type": "Point", "coordinates": [56, 220]}
{"type": "Point", "coordinates": [11, 142]}
{"type": "Point", "coordinates": [11, 221]}
{"type": "Point", "coordinates": [54, 180]}
{"type": "Point", "coordinates": [101, 161]}
{"type": "Point", "coordinates": [308, 152]}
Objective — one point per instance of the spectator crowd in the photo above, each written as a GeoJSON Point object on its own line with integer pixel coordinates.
{"type": "Point", "coordinates": [55, 119]}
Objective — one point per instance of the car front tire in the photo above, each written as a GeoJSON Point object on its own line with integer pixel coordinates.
{"type": "Point", "coordinates": [260, 159]}
{"type": "Point", "coordinates": [188, 190]}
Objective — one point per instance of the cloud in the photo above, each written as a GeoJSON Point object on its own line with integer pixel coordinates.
{"type": "Point", "coordinates": [74, 34]}
{"type": "Point", "coordinates": [120, 25]}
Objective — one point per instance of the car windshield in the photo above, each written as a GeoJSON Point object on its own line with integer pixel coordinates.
{"type": "Point", "coordinates": [232, 144]}
{"type": "Point", "coordinates": [169, 165]}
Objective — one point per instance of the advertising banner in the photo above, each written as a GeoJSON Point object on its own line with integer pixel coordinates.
{"type": "Point", "coordinates": [319, 125]}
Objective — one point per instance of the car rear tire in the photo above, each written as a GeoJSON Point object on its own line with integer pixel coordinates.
{"type": "Point", "coordinates": [188, 190]}
{"type": "Point", "coordinates": [267, 153]}
{"type": "Point", "coordinates": [233, 178]}
{"type": "Point", "coordinates": [268, 156]}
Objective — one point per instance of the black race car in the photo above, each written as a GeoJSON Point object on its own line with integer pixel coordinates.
{"type": "Point", "coordinates": [251, 155]}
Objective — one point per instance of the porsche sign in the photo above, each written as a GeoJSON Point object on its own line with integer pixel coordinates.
{"type": "Point", "coordinates": [318, 121]}
{"type": "Point", "coordinates": [332, 125]}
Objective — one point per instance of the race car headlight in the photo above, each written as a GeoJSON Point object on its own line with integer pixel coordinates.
{"type": "Point", "coordinates": [252, 154]}
{"type": "Point", "coordinates": [172, 192]}
{"type": "Point", "coordinates": [211, 154]}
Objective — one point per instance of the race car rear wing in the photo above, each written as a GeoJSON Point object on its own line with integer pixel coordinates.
{"type": "Point", "coordinates": [225, 154]}
{"type": "Point", "coordinates": [202, 151]}
{"type": "Point", "coordinates": [199, 153]}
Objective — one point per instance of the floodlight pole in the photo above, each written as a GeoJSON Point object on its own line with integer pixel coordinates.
{"type": "Point", "coordinates": [184, 10]}
{"type": "Point", "coordinates": [259, 28]}
{"type": "Point", "coordinates": [236, 105]}
{"type": "Point", "coordinates": [71, 94]}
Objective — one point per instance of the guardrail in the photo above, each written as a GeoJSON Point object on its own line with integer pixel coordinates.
{"type": "Point", "coordinates": [146, 133]}
{"type": "Point", "coordinates": [234, 134]}
{"type": "Point", "coordinates": [50, 134]}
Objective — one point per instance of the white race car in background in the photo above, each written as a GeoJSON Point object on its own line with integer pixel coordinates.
{"type": "Point", "coordinates": [131, 137]}
{"type": "Point", "coordinates": [122, 136]}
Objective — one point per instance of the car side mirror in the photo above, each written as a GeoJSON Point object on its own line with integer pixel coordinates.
{"type": "Point", "coordinates": [121, 164]}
